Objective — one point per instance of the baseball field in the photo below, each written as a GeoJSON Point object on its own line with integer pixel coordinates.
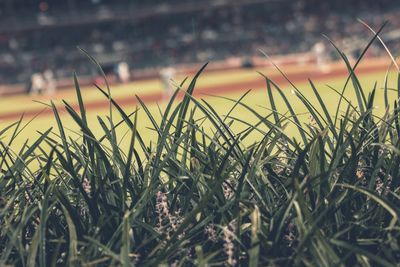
{"type": "Point", "coordinates": [215, 87]}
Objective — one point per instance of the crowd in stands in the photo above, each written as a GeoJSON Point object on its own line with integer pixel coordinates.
{"type": "Point", "coordinates": [148, 34]}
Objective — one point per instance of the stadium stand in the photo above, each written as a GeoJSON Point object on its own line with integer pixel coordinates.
{"type": "Point", "coordinates": [36, 35]}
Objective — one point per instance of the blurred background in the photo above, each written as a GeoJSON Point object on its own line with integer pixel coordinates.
{"type": "Point", "coordinates": [148, 35]}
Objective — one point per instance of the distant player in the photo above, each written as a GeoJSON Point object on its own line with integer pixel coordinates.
{"type": "Point", "coordinates": [123, 72]}
{"type": "Point", "coordinates": [167, 75]}
{"type": "Point", "coordinates": [37, 83]}
{"type": "Point", "coordinates": [320, 53]}
{"type": "Point", "coordinates": [50, 82]}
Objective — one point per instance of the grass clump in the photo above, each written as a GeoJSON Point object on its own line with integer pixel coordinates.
{"type": "Point", "coordinates": [201, 197]}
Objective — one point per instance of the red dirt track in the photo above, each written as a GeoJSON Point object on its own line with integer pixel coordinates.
{"type": "Point", "coordinates": [257, 84]}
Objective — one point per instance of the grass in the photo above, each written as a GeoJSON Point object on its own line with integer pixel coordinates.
{"type": "Point", "coordinates": [206, 192]}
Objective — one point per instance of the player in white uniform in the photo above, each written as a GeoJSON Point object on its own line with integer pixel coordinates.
{"type": "Point", "coordinates": [50, 82]}
{"type": "Point", "coordinates": [37, 83]}
{"type": "Point", "coordinates": [167, 75]}
{"type": "Point", "coordinates": [123, 71]}
{"type": "Point", "coordinates": [320, 53]}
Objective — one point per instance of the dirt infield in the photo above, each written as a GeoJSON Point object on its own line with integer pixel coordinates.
{"type": "Point", "coordinates": [300, 75]}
